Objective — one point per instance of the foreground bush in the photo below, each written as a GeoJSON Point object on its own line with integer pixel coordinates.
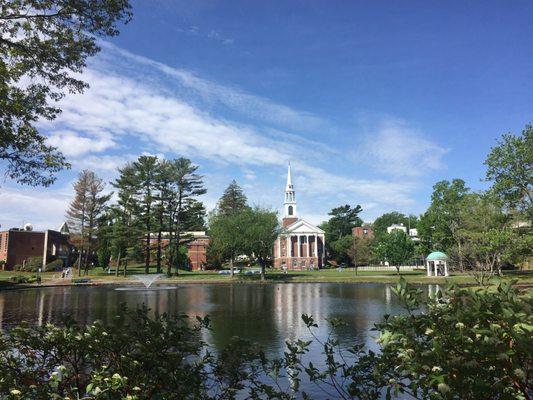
{"type": "Point", "coordinates": [466, 345]}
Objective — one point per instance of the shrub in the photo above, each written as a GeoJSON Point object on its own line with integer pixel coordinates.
{"type": "Point", "coordinates": [19, 279]}
{"type": "Point", "coordinates": [26, 279]}
{"type": "Point", "coordinates": [56, 265]}
{"type": "Point", "coordinates": [32, 264]}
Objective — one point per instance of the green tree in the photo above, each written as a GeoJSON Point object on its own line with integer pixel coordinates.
{"type": "Point", "coordinates": [44, 45]}
{"type": "Point", "coordinates": [127, 231]}
{"type": "Point", "coordinates": [381, 223]}
{"type": "Point", "coordinates": [145, 171]}
{"type": "Point", "coordinates": [261, 229]}
{"type": "Point", "coordinates": [338, 231]}
{"type": "Point", "coordinates": [228, 235]}
{"type": "Point", "coordinates": [185, 185]}
{"type": "Point", "coordinates": [489, 237]}
{"type": "Point", "coordinates": [194, 215]}
{"type": "Point", "coordinates": [396, 248]}
{"type": "Point", "coordinates": [439, 225]}
{"type": "Point", "coordinates": [510, 169]}
{"type": "Point", "coordinates": [233, 199]}
{"type": "Point", "coordinates": [360, 251]}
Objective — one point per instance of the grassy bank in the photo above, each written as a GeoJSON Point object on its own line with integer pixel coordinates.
{"type": "Point", "coordinates": [99, 276]}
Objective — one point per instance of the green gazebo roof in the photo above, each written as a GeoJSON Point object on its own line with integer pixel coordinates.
{"type": "Point", "coordinates": [437, 256]}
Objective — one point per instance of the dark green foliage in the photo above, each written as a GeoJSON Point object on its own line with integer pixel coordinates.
{"type": "Point", "coordinates": [338, 231]}
{"type": "Point", "coordinates": [233, 200]}
{"type": "Point", "coordinates": [45, 43]}
{"type": "Point", "coordinates": [466, 344]}
{"type": "Point", "coordinates": [32, 264]}
{"type": "Point", "coordinates": [55, 265]}
{"type": "Point", "coordinates": [104, 256]}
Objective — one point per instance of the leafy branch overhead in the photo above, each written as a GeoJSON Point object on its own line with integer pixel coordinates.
{"type": "Point", "coordinates": [43, 45]}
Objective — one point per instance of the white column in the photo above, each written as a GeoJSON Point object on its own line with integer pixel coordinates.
{"type": "Point", "coordinates": [287, 246]}
{"type": "Point", "coordinates": [308, 247]}
{"type": "Point", "coordinates": [428, 267]}
{"type": "Point", "coordinates": [316, 246]}
{"type": "Point", "coordinates": [279, 246]}
{"type": "Point", "coordinates": [299, 246]}
{"type": "Point", "coordinates": [445, 268]}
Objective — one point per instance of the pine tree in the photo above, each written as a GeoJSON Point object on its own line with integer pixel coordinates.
{"type": "Point", "coordinates": [127, 230]}
{"type": "Point", "coordinates": [186, 184]}
{"type": "Point", "coordinates": [233, 200]}
{"type": "Point", "coordinates": [84, 212]}
{"type": "Point", "coordinates": [146, 170]}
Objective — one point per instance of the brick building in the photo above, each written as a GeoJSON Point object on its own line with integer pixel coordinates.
{"type": "Point", "coordinates": [196, 243]}
{"type": "Point", "coordinates": [197, 251]}
{"type": "Point", "coordinates": [363, 232]}
{"type": "Point", "coordinates": [17, 245]}
{"type": "Point", "coordinates": [300, 244]}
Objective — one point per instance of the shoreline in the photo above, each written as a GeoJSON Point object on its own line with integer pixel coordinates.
{"type": "Point", "coordinates": [418, 281]}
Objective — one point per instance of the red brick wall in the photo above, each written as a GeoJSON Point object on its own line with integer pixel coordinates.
{"type": "Point", "coordinates": [3, 246]}
{"type": "Point", "coordinates": [288, 221]}
{"type": "Point", "coordinates": [197, 253]}
{"type": "Point", "coordinates": [362, 231]}
{"type": "Point", "coordinates": [22, 245]}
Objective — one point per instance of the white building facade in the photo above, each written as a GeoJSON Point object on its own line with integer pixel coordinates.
{"type": "Point", "coordinates": [300, 244]}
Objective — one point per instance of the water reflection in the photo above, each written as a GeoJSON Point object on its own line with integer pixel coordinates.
{"type": "Point", "coordinates": [266, 314]}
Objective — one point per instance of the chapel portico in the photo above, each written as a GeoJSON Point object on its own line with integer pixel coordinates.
{"type": "Point", "coordinates": [300, 244]}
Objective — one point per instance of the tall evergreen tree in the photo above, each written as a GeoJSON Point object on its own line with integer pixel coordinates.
{"type": "Point", "coordinates": [127, 231]}
{"type": "Point", "coordinates": [146, 171]}
{"type": "Point", "coordinates": [233, 200]}
{"type": "Point", "coordinates": [84, 212]}
{"type": "Point", "coordinates": [186, 184]}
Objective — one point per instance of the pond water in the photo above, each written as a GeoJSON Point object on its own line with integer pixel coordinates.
{"type": "Point", "coordinates": [267, 314]}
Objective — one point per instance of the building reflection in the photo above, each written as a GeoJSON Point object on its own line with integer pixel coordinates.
{"type": "Point", "coordinates": [266, 314]}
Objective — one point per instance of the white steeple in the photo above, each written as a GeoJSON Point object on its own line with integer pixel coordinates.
{"type": "Point", "coordinates": [290, 196]}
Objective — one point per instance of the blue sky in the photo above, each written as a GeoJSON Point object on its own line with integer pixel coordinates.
{"type": "Point", "coordinates": [372, 102]}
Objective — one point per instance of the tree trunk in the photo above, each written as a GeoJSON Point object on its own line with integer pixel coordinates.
{"type": "Point", "coordinates": [125, 267]}
{"type": "Point", "coordinates": [82, 237]}
{"type": "Point", "coordinates": [159, 233]}
{"type": "Point", "coordinates": [86, 262]}
{"type": "Point", "coordinates": [263, 274]}
{"type": "Point", "coordinates": [147, 259]}
{"type": "Point", "coordinates": [118, 262]}
{"type": "Point", "coordinates": [231, 265]}
{"type": "Point", "coordinates": [178, 228]}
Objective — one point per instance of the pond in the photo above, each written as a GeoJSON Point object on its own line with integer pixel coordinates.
{"type": "Point", "coordinates": [267, 314]}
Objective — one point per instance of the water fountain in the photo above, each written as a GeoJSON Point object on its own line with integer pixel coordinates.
{"type": "Point", "coordinates": [147, 280]}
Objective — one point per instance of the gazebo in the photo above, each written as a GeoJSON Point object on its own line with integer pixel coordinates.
{"type": "Point", "coordinates": [437, 264]}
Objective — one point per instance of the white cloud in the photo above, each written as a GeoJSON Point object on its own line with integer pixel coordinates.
{"type": "Point", "coordinates": [21, 206]}
{"type": "Point", "coordinates": [133, 107]}
{"type": "Point", "coordinates": [399, 150]}
{"type": "Point", "coordinates": [71, 144]}
{"type": "Point", "coordinates": [211, 92]}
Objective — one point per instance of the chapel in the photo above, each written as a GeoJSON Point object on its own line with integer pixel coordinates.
{"type": "Point", "coordinates": [300, 245]}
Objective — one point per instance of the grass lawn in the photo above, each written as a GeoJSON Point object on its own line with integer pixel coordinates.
{"type": "Point", "coordinates": [326, 275]}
